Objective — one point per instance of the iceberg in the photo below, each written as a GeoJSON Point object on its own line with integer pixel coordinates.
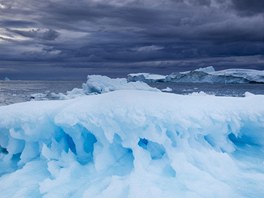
{"type": "Point", "coordinates": [209, 75]}
{"type": "Point", "coordinates": [133, 143]}
{"type": "Point", "coordinates": [97, 84]}
{"type": "Point", "coordinates": [101, 84]}
{"type": "Point", "coordinates": [204, 75]}
{"type": "Point", "coordinates": [146, 77]}
{"type": "Point", "coordinates": [250, 75]}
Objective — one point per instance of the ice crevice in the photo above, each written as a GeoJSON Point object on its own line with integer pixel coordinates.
{"type": "Point", "coordinates": [133, 144]}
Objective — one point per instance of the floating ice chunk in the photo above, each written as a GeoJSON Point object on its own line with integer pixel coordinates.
{"type": "Point", "coordinates": [167, 89]}
{"type": "Point", "coordinates": [248, 94]}
{"type": "Point", "coordinates": [200, 93]}
{"type": "Point", "coordinates": [39, 96]}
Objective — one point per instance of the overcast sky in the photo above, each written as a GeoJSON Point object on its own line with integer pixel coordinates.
{"type": "Point", "coordinates": [56, 39]}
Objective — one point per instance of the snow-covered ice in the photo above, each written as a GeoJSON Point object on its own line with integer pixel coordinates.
{"type": "Point", "coordinates": [133, 143]}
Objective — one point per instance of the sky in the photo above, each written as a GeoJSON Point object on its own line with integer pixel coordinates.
{"type": "Point", "coordinates": [56, 39]}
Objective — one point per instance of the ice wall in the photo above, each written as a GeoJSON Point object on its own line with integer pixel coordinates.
{"type": "Point", "coordinates": [133, 144]}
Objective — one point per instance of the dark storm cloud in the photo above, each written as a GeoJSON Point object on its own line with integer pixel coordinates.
{"type": "Point", "coordinates": [37, 33]}
{"type": "Point", "coordinates": [249, 7]}
{"type": "Point", "coordinates": [117, 37]}
{"type": "Point", "coordinates": [16, 23]}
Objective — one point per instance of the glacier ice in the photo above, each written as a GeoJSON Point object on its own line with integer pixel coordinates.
{"type": "Point", "coordinates": [133, 143]}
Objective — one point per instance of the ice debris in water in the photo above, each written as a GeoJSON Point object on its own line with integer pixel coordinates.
{"type": "Point", "coordinates": [167, 89]}
{"type": "Point", "coordinates": [131, 143]}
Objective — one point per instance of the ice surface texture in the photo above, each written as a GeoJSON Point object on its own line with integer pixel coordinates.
{"type": "Point", "coordinates": [133, 144]}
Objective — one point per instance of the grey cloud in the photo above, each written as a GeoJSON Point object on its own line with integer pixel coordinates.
{"type": "Point", "coordinates": [148, 48]}
{"type": "Point", "coordinates": [16, 23]}
{"type": "Point", "coordinates": [37, 33]}
{"type": "Point", "coordinates": [5, 39]}
{"type": "Point", "coordinates": [200, 2]}
{"type": "Point", "coordinates": [140, 35]}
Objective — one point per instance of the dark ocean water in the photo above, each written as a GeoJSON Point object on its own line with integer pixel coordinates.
{"type": "Point", "coordinates": [235, 90]}
{"type": "Point", "coordinates": [20, 91]}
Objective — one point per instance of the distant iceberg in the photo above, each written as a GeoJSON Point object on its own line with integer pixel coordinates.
{"type": "Point", "coordinates": [133, 143]}
{"type": "Point", "coordinates": [146, 77]}
{"type": "Point", "coordinates": [250, 75]}
{"type": "Point", "coordinates": [205, 75]}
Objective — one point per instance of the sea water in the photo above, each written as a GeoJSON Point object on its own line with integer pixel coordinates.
{"type": "Point", "coordinates": [218, 89]}
{"type": "Point", "coordinates": [15, 91]}
{"type": "Point", "coordinates": [20, 91]}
